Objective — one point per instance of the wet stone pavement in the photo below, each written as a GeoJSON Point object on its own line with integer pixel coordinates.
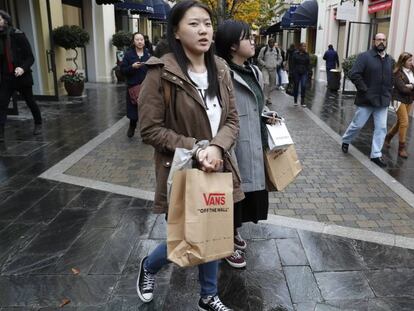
{"type": "Point", "coordinates": [63, 241]}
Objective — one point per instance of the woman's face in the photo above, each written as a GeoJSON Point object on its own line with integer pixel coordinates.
{"type": "Point", "coordinates": [408, 63]}
{"type": "Point", "coordinates": [139, 41]}
{"type": "Point", "coordinates": [195, 31]}
{"type": "Point", "coordinates": [246, 48]}
{"type": "Point", "coordinates": [2, 22]}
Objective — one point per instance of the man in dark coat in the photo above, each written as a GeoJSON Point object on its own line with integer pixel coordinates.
{"type": "Point", "coordinates": [16, 58]}
{"type": "Point", "coordinates": [332, 60]}
{"type": "Point", "coordinates": [373, 79]}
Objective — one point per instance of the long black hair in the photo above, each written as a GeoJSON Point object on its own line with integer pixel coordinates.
{"type": "Point", "coordinates": [176, 15]}
{"type": "Point", "coordinates": [228, 35]}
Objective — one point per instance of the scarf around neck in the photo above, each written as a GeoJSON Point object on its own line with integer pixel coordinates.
{"type": "Point", "coordinates": [6, 56]}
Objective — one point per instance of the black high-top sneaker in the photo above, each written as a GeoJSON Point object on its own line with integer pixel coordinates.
{"type": "Point", "coordinates": [145, 283]}
{"type": "Point", "coordinates": [212, 303]}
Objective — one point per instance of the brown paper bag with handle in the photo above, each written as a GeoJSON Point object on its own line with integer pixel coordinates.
{"type": "Point", "coordinates": [282, 167]}
{"type": "Point", "coordinates": [200, 217]}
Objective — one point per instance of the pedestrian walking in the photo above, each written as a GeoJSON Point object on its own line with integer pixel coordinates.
{"type": "Point", "coordinates": [199, 106]}
{"type": "Point", "coordinates": [268, 60]}
{"type": "Point", "coordinates": [300, 71]}
{"type": "Point", "coordinates": [235, 44]}
{"type": "Point", "coordinates": [332, 61]}
{"type": "Point", "coordinates": [162, 47]}
{"type": "Point", "coordinates": [16, 58]}
{"type": "Point", "coordinates": [403, 97]}
{"type": "Point", "coordinates": [148, 45]}
{"type": "Point", "coordinates": [134, 69]}
{"type": "Point", "coordinates": [289, 59]}
{"type": "Point", "coordinates": [373, 79]}
{"type": "Point", "coordinates": [280, 60]}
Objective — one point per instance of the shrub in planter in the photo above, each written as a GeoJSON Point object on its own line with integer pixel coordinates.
{"type": "Point", "coordinates": [347, 64]}
{"type": "Point", "coordinates": [121, 40]}
{"type": "Point", "coordinates": [70, 38]}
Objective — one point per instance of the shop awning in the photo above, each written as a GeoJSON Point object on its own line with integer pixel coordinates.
{"type": "Point", "coordinates": [136, 6]}
{"type": "Point", "coordinates": [273, 29]}
{"type": "Point", "coordinates": [161, 10]}
{"type": "Point", "coordinates": [287, 18]}
{"type": "Point", "coordinates": [306, 14]}
{"type": "Point", "coordinates": [381, 6]}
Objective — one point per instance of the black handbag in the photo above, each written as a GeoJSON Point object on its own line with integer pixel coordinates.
{"type": "Point", "coordinates": [290, 88]}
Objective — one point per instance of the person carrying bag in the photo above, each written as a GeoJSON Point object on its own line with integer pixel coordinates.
{"type": "Point", "coordinates": [186, 97]}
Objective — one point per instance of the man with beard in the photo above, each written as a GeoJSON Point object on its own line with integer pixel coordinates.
{"type": "Point", "coordinates": [372, 76]}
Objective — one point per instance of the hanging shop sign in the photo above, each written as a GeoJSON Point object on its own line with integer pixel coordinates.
{"type": "Point", "coordinates": [347, 12]}
{"type": "Point", "coordinates": [379, 6]}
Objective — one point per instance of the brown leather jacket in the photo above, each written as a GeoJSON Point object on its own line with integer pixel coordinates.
{"type": "Point", "coordinates": [400, 91]}
{"type": "Point", "coordinates": [183, 120]}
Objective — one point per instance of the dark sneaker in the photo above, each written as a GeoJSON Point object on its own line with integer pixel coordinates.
{"type": "Point", "coordinates": [212, 303]}
{"type": "Point", "coordinates": [145, 283]}
{"type": "Point", "coordinates": [236, 260]}
{"type": "Point", "coordinates": [379, 161]}
{"type": "Point", "coordinates": [239, 243]}
{"type": "Point", "coordinates": [345, 147]}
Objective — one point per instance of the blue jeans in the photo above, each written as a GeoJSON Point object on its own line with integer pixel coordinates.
{"type": "Point", "coordinates": [300, 79]}
{"type": "Point", "coordinates": [361, 117]}
{"type": "Point", "coordinates": [207, 272]}
{"type": "Point", "coordinates": [279, 75]}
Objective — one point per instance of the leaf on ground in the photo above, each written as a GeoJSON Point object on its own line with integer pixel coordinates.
{"type": "Point", "coordinates": [75, 271]}
{"type": "Point", "coordinates": [64, 302]}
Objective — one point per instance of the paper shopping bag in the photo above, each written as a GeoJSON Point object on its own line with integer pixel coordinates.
{"type": "Point", "coordinates": [282, 167]}
{"type": "Point", "coordinates": [200, 217]}
{"type": "Point", "coordinates": [278, 136]}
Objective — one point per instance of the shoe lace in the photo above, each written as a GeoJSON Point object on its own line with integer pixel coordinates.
{"type": "Point", "coordinates": [216, 303]}
{"type": "Point", "coordinates": [148, 281]}
{"type": "Point", "coordinates": [238, 237]}
{"type": "Point", "coordinates": [237, 254]}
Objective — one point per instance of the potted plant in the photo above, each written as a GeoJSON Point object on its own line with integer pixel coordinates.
{"type": "Point", "coordinates": [73, 82]}
{"type": "Point", "coordinates": [70, 38]}
{"type": "Point", "coordinates": [121, 40]}
{"type": "Point", "coordinates": [347, 64]}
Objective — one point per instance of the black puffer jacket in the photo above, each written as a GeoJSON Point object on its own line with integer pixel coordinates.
{"type": "Point", "coordinates": [400, 91]}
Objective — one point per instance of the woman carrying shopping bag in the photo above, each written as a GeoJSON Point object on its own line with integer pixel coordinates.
{"type": "Point", "coordinates": [235, 44]}
{"type": "Point", "coordinates": [402, 96]}
{"type": "Point", "coordinates": [187, 96]}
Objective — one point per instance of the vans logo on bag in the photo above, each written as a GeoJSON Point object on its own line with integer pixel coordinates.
{"type": "Point", "coordinates": [214, 199]}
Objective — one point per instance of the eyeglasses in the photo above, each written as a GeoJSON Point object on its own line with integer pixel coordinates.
{"type": "Point", "coordinates": [384, 40]}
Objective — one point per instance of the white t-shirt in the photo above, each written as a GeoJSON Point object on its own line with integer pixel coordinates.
{"type": "Point", "coordinates": [212, 105]}
{"type": "Point", "coordinates": [409, 74]}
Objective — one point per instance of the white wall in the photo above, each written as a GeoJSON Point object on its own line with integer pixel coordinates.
{"type": "Point", "coordinates": [100, 54]}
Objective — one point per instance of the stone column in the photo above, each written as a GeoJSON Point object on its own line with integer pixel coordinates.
{"type": "Point", "coordinates": [100, 54]}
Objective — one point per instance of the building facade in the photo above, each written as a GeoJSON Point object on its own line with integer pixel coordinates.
{"type": "Point", "coordinates": [37, 18]}
{"type": "Point", "coordinates": [351, 24]}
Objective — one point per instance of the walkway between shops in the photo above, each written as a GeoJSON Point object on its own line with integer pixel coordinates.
{"type": "Point", "coordinates": [79, 232]}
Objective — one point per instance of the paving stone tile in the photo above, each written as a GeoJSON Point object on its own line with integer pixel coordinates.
{"type": "Point", "coordinates": [110, 213]}
{"type": "Point", "coordinates": [88, 199]}
{"type": "Point", "coordinates": [60, 233]}
{"type": "Point", "coordinates": [329, 253]}
{"type": "Point", "coordinates": [392, 282]}
{"type": "Point", "coordinates": [254, 290]}
{"type": "Point", "coordinates": [291, 252]}
{"type": "Point", "coordinates": [51, 290]}
{"type": "Point", "coordinates": [343, 285]}
{"type": "Point", "coordinates": [302, 285]}
{"type": "Point", "coordinates": [391, 304]}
